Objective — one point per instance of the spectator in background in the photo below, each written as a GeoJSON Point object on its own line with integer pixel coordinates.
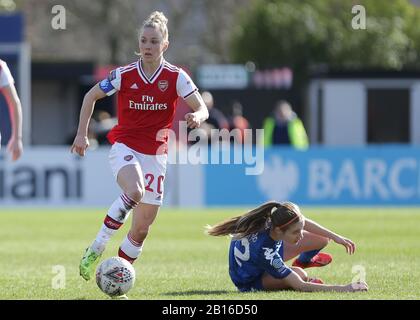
{"type": "Point", "coordinates": [104, 123]}
{"type": "Point", "coordinates": [285, 128]}
{"type": "Point", "coordinates": [217, 119]}
{"type": "Point", "coordinates": [8, 89]}
{"type": "Point", "coordinates": [238, 121]}
{"type": "Point", "coordinates": [91, 135]}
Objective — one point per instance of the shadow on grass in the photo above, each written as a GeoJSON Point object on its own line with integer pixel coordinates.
{"type": "Point", "coordinates": [197, 292]}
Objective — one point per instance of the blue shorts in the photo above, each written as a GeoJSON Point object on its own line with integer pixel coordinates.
{"type": "Point", "coordinates": [255, 285]}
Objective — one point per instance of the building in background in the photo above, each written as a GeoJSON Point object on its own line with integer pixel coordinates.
{"type": "Point", "coordinates": [359, 108]}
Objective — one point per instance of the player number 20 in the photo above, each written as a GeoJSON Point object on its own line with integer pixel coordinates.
{"type": "Point", "coordinates": [150, 178]}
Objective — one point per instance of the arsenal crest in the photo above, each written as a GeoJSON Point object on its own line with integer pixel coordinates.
{"type": "Point", "coordinates": [163, 85]}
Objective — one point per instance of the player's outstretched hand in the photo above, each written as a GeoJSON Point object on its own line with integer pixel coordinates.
{"type": "Point", "coordinates": [15, 148]}
{"type": "Point", "coordinates": [357, 286]}
{"type": "Point", "coordinates": [80, 144]}
{"type": "Point", "coordinates": [192, 120]}
{"type": "Point", "coordinates": [347, 243]}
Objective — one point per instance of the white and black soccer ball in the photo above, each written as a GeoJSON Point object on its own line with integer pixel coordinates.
{"type": "Point", "coordinates": [115, 276]}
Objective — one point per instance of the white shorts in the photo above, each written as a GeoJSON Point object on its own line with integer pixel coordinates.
{"type": "Point", "coordinates": [152, 166]}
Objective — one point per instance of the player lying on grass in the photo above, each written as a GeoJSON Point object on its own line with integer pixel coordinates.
{"type": "Point", "coordinates": [265, 237]}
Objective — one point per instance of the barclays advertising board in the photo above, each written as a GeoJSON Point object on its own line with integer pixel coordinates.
{"type": "Point", "coordinates": [374, 175]}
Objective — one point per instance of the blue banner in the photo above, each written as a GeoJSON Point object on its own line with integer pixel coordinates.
{"type": "Point", "coordinates": [374, 175]}
{"type": "Point", "coordinates": [11, 27]}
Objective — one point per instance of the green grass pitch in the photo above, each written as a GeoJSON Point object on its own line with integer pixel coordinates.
{"type": "Point", "coordinates": [180, 262]}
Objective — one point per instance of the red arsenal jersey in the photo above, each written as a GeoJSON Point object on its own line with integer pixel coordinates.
{"type": "Point", "coordinates": [146, 106]}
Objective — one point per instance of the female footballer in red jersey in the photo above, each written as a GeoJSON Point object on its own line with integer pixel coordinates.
{"type": "Point", "coordinates": [272, 233]}
{"type": "Point", "coordinates": [147, 93]}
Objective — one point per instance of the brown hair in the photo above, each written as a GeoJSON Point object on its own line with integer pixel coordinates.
{"type": "Point", "coordinates": [273, 214]}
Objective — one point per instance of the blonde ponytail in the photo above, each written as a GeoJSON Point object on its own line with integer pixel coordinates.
{"type": "Point", "coordinates": [157, 20]}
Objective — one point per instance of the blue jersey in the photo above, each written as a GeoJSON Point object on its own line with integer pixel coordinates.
{"type": "Point", "coordinates": [253, 255]}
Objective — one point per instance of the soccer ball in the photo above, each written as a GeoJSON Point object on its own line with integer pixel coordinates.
{"type": "Point", "coordinates": [115, 276]}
